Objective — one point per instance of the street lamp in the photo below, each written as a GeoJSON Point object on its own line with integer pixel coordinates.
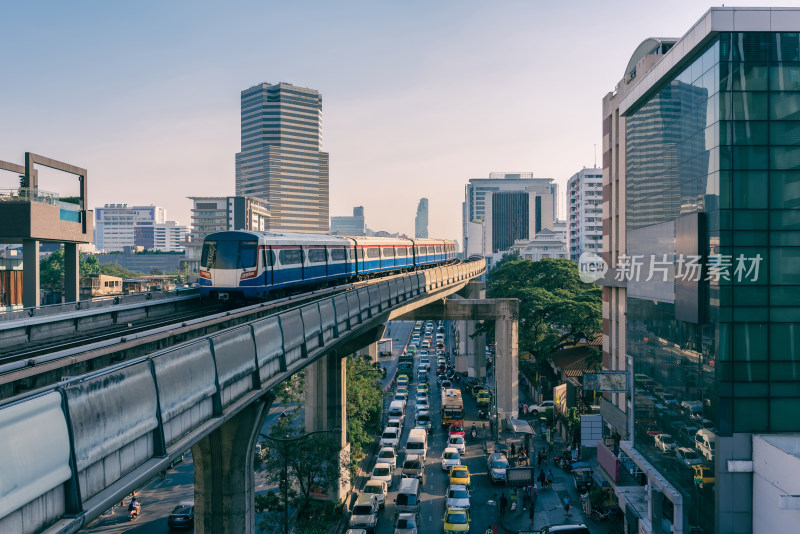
{"type": "Point", "coordinates": [286, 441]}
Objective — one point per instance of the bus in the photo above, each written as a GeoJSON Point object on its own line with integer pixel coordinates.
{"type": "Point", "coordinates": [452, 407]}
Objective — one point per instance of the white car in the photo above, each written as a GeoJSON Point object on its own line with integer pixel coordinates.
{"type": "Point", "coordinates": [377, 487]}
{"type": "Point", "coordinates": [382, 471]}
{"type": "Point", "coordinates": [450, 457]}
{"type": "Point", "coordinates": [457, 442]}
{"type": "Point", "coordinates": [395, 422]}
{"type": "Point", "coordinates": [541, 408]}
{"type": "Point", "coordinates": [421, 404]}
{"type": "Point", "coordinates": [688, 457]}
{"type": "Point", "coordinates": [388, 455]}
{"type": "Point", "coordinates": [665, 443]}
{"type": "Point", "coordinates": [426, 362]}
{"type": "Point", "coordinates": [390, 437]}
{"type": "Point", "coordinates": [458, 496]}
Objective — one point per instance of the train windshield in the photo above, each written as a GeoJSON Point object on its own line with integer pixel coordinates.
{"type": "Point", "coordinates": [229, 254]}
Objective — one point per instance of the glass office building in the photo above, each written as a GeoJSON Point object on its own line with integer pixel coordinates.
{"type": "Point", "coordinates": [712, 178]}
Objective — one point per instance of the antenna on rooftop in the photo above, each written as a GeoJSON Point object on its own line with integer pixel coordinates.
{"type": "Point", "coordinates": [595, 155]}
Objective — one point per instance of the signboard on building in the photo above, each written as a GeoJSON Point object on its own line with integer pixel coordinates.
{"type": "Point", "coordinates": [591, 430]}
{"type": "Point", "coordinates": [560, 398]}
{"type": "Point", "coordinates": [517, 477]}
{"type": "Point", "coordinates": [606, 382]}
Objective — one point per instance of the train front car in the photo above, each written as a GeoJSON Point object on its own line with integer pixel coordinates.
{"type": "Point", "coordinates": [230, 266]}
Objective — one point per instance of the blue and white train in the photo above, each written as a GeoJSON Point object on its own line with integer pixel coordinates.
{"type": "Point", "coordinates": [257, 265]}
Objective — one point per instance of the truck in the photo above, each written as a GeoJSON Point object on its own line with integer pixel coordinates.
{"type": "Point", "coordinates": [385, 347]}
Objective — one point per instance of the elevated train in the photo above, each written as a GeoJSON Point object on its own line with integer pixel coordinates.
{"type": "Point", "coordinates": [258, 265]}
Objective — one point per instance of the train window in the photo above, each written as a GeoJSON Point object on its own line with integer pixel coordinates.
{"type": "Point", "coordinates": [388, 252]}
{"type": "Point", "coordinates": [316, 255]}
{"type": "Point", "coordinates": [291, 257]}
{"type": "Point", "coordinates": [208, 254]}
{"type": "Point", "coordinates": [401, 251]}
{"type": "Point", "coordinates": [350, 253]}
{"type": "Point", "coordinates": [268, 258]}
{"type": "Point", "coordinates": [248, 254]}
{"type": "Point", "coordinates": [360, 253]}
{"type": "Point", "coordinates": [373, 252]}
{"type": "Point", "coordinates": [430, 250]}
{"type": "Point", "coordinates": [438, 249]}
{"type": "Point", "coordinates": [337, 254]}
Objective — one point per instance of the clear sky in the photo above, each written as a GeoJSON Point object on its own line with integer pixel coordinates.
{"type": "Point", "coordinates": [418, 96]}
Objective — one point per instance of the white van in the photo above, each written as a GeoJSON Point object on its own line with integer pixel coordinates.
{"type": "Point", "coordinates": [417, 442]}
{"type": "Point", "coordinates": [396, 409]}
{"type": "Point", "coordinates": [705, 441]}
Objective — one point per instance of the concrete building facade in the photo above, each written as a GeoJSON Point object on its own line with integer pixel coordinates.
{"type": "Point", "coordinates": [169, 237]}
{"type": "Point", "coordinates": [355, 225]}
{"type": "Point", "coordinates": [506, 207]}
{"type": "Point", "coordinates": [585, 212]}
{"type": "Point", "coordinates": [281, 161]}
{"type": "Point", "coordinates": [699, 167]}
{"type": "Point", "coordinates": [119, 225]}
{"type": "Point", "coordinates": [421, 220]}
{"type": "Point", "coordinates": [218, 214]}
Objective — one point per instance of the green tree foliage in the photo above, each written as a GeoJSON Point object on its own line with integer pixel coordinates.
{"type": "Point", "coordinates": [115, 269]}
{"type": "Point", "coordinates": [555, 306]}
{"type": "Point", "coordinates": [51, 269]}
{"type": "Point", "coordinates": [364, 403]}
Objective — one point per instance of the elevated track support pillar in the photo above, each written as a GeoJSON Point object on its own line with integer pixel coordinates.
{"type": "Point", "coordinates": [224, 479]}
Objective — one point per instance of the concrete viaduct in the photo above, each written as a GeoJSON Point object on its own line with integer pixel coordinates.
{"type": "Point", "coordinates": [71, 451]}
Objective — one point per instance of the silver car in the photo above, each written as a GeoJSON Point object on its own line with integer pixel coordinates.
{"type": "Point", "coordinates": [458, 496]}
{"type": "Point", "coordinates": [496, 464]}
{"type": "Point", "coordinates": [406, 524]}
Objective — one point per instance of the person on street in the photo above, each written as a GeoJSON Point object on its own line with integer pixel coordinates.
{"type": "Point", "coordinates": [542, 478]}
{"type": "Point", "coordinates": [513, 450]}
{"type": "Point", "coordinates": [549, 478]}
{"type": "Point", "coordinates": [531, 513]}
{"type": "Point", "coordinates": [503, 504]}
{"type": "Point", "coordinates": [567, 504]}
{"type": "Point", "coordinates": [525, 498]}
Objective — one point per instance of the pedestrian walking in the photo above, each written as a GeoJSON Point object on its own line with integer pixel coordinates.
{"type": "Point", "coordinates": [542, 478]}
{"type": "Point", "coordinates": [525, 409]}
{"type": "Point", "coordinates": [539, 459]}
{"type": "Point", "coordinates": [525, 498]}
{"type": "Point", "coordinates": [503, 504]}
{"type": "Point", "coordinates": [549, 478]}
{"type": "Point", "coordinates": [513, 450]}
{"type": "Point", "coordinates": [531, 512]}
{"type": "Point", "coordinates": [567, 504]}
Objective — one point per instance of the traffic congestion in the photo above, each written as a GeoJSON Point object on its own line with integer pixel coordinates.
{"type": "Point", "coordinates": [430, 473]}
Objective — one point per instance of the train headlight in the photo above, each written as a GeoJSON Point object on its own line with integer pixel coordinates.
{"type": "Point", "coordinates": [248, 274]}
{"type": "Point", "coordinates": [205, 274]}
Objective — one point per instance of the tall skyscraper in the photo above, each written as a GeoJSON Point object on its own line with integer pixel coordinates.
{"type": "Point", "coordinates": [700, 167]}
{"type": "Point", "coordinates": [421, 220]}
{"type": "Point", "coordinates": [281, 160]}
{"type": "Point", "coordinates": [585, 212]}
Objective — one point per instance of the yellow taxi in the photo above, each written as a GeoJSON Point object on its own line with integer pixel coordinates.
{"type": "Point", "coordinates": [703, 475]}
{"type": "Point", "coordinates": [483, 398]}
{"type": "Point", "coordinates": [456, 520]}
{"type": "Point", "coordinates": [459, 474]}
{"type": "Point", "coordinates": [422, 387]}
{"type": "Point", "coordinates": [402, 390]}
{"type": "Point", "coordinates": [402, 380]}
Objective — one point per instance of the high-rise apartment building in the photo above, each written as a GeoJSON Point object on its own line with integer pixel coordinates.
{"type": "Point", "coordinates": [119, 225]}
{"type": "Point", "coordinates": [281, 160]}
{"type": "Point", "coordinates": [700, 168]}
{"type": "Point", "coordinates": [421, 220]}
{"type": "Point", "coordinates": [355, 225]}
{"type": "Point", "coordinates": [218, 214]}
{"type": "Point", "coordinates": [585, 212]}
{"type": "Point", "coordinates": [505, 207]}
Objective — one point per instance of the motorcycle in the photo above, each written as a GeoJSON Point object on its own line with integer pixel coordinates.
{"type": "Point", "coordinates": [474, 433]}
{"type": "Point", "coordinates": [134, 512]}
{"type": "Point", "coordinates": [483, 414]}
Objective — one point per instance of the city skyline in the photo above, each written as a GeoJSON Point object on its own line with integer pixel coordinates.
{"type": "Point", "coordinates": [150, 94]}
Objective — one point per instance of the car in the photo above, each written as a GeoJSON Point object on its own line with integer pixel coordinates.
{"type": "Point", "coordinates": [541, 408]}
{"type": "Point", "coordinates": [364, 513]}
{"type": "Point", "coordinates": [456, 520]}
{"type": "Point", "coordinates": [422, 387]}
{"type": "Point", "coordinates": [182, 516]}
{"type": "Point", "coordinates": [378, 488]}
{"type": "Point", "coordinates": [423, 351]}
{"type": "Point", "coordinates": [477, 388]}
{"type": "Point", "coordinates": [575, 528]}
{"type": "Point", "coordinates": [390, 437]}
{"type": "Point", "coordinates": [395, 422]}
{"type": "Point", "coordinates": [450, 457]}
{"type": "Point", "coordinates": [400, 397]}
{"type": "Point", "coordinates": [687, 456]}
{"type": "Point", "coordinates": [355, 531]}
{"type": "Point", "coordinates": [456, 429]}
{"type": "Point", "coordinates": [424, 360]}
{"type": "Point", "coordinates": [446, 384]}
{"type": "Point", "coordinates": [457, 442]}
{"type": "Point", "coordinates": [703, 475]}
{"type": "Point", "coordinates": [459, 474]}
{"type": "Point", "coordinates": [382, 471]}
{"type": "Point", "coordinates": [406, 524]}
{"type": "Point", "coordinates": [496, 465]}
{"type": "Point", "coordinates": [669, 399]}
{"type": "Point", "coordinates": [388, 455]}
{"type": "Point", "coordinates": [414, 467]}
{"type": "Point", "coordinates": [421, 403]}
{"type": "Point", "coordinates": [483, 399]}
{"type": "Point", "coordinates": [402, 380]}
{"type": "Point", "coordinates": [458, 496]}
{"type": "Point", "coordinates": [401, 390]}
{"type": "Point", "coordinates": [665, 443]}
{"type": "Point", "coordinates": [423, 420]}
{"type": "Point", "coordinates": [653, 430]}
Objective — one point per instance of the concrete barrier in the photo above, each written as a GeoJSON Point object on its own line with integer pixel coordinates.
{"type": "Point", "coordinates": [187, 382]}
{"type": "Point", "coordinates": [269, 347]}
{"type": "Point", "coordinates": [293, 336]}
{"type": "Point", "coordinates": [312, 326]}
{"type": "Point", "coordinates": [327, 316]}
{"type": "Point", "coordinates": [235, 356]}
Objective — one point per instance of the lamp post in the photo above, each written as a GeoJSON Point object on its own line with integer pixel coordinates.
{"type": "Point", "coordinates": [286, 441]}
